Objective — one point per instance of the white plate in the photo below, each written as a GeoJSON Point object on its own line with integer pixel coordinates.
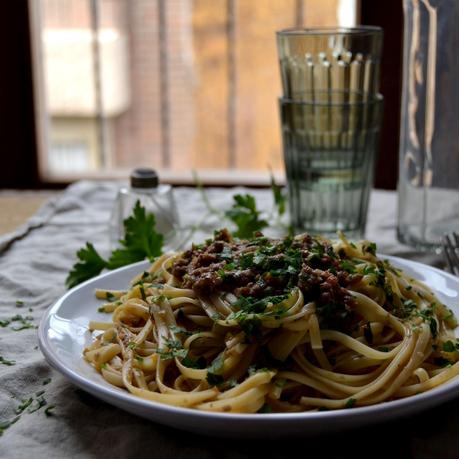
{"type": "Point", "coordinates": [63, 333]}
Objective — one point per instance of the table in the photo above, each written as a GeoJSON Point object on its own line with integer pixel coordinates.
{"type": "Point", "coordinates": [34, 262]}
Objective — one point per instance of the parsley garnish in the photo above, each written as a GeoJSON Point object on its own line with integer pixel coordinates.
{"type": "Point", "coordinates": [140, 241]}
{"type": "Point", "coordinates": [19, 303]}
{"type": "Point", "coordinates": [48, 410]}
{"type": "Point", "coordinates": [24, 322]}
{"type": "Point", "coordinates": [6, 361]}
{"type": "Point", "coordinates": [198, 363]}
{"type": "Point", "coordinates": [173, 349]}
{"type": "Point", "coordinates": [449, 346]}
{"type": "Point", "coordinates": [442, 362]}
{"type": "Point", "coordinates": [265, 409]}
{"type": "Point", "coordinates": [350, 403]}
{"type": "Point", "coordinates": [90, 264]}
{"type": "Point", "coordinates": [214, 372]}
{"type": "Point", "coordinates": [245, 216]}
{"type": "Point", "coordinates": [5, 424]}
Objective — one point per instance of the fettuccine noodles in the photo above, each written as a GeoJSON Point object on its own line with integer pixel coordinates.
{"type": "Point", "coordinates": [295, 324]}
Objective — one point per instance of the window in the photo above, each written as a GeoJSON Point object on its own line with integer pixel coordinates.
{"type": "Point", "coordinates": [173, 84]}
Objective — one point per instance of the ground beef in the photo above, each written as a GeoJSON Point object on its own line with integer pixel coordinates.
{"type": "Point", "coordinates": [304, 261]}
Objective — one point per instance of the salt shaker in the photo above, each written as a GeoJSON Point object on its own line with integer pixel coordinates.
{"type": "Point", "coordinates": [156, 198]}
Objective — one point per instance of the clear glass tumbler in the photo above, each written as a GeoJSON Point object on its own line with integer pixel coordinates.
{"type": "Point", "coordinates": [428, 186]}
{"type": "Point", "coordinates": [329, 152]}
{"type": "Point", "coordinates": [331, 116]}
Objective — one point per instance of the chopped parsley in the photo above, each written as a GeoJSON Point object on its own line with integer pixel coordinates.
{"type": "Point", "coordinates": [19, 303]}
{"type": "Point", "coordinates": [6, 424]}
{"type": "Point", "coordinates": [449, 346]}
{"type": "Point", "coordinates": [23, 322]}
{"type": "Point", "coordinates": [265, 409]}
{"type": "Point", "coordinates": [198, 363]}
{"type": "Point", "coordinates": [6, 361]}
{"type": "Point", "coordinates": [215, 370]}
{"type": "Point", "coordinates": [173, 349]}
{"type": "Point", "coordinates": [350, 403]}
{"type": "Point", "coordinates": [48, 410]}
{"type": "Point", "coordinates": [442, 362]}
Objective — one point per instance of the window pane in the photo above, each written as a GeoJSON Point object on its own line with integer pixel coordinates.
{"type": "Point", "coordinates": [173, 84]}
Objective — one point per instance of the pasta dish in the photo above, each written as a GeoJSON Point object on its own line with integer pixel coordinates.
{"type": "Point", "coordinates": [274, 325]}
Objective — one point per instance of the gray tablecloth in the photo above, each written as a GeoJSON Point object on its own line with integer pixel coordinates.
{"type": "Point", "coordinates": [34, 262]}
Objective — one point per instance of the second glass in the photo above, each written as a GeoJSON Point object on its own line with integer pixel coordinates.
{"type": "Point", "coordinates": [329, 152]}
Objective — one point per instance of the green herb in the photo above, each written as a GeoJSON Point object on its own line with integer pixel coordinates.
{"type": "Point", "coordinates": [110, 297]}
{"type": "Point", "coordinates": [348, 266]}
{"type": "Point", "coordinates": [449, 346]}
{"type": "Point", "coordinates": [7, 362]}
{"type": "Point", "coordinates": [90, 264]}
{"type": "Point", "coordinates": [442, 362]}
{"type": "Point", "coordinates": [352, 245]}
{"type": "Point", "coordinates": [48, 410]}
{"type": "Point", "coordinates": [383, 349]}
{"type": "Point", "coordinates": [24, 405]}
{"type": "Point", "coordinates": [101, 309]}
{"type": "Point", "coordinates": [245, 216]}
{"type": "Point", "coordinates": [280, 382]}
{"type": "Point", "coordinates": [370, 248]}
{"type": "Point", "coordinates": [408, 287]}
{"type": "Point", "coordinates": [142, 292]}
{"type": "Point", "coordinates": [19, 303]}
{"type": "Point", "coordinates": [433, 327]}
{"type": "Point", "coordinates": [38, 403]}
{"type": "Point", "coordinates": [132, 345]}
{"type": "Point", "coordinates": [25, 322]}
{"type": "Point", "coordinates": [265, 409]}
{"type": "Point", "coordinates": [279, 197]}
{"type": "Point", "coordinates": [214, 372]}
{"type": "Point", "coordinates": [198, 363]}
{"type": "Point", "coordinates": [214, 380]}
{"type": "Point", "coordinates": [173, 349]}
{"type": "Point", "coordinates": [103, 366]}
{"type": "Point", "coordinates": [140, 241]}
{"type": "Point", "coordinates": [46, 381]}
{"type": "Point", "coordinates": [6, 424]}
{"type": "Point", "coordinates": [350, 403]}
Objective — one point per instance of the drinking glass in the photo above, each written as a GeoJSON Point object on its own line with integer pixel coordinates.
{"type": "Point", "coordinates": [329, 151]}
{"type": "Point", "coordinates": [428, 186]}
{"type": "Point", "coordinates": [331, 115]}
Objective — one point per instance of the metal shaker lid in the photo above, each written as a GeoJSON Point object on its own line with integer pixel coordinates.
{"type": "Point", "coordinates": [144, 177]}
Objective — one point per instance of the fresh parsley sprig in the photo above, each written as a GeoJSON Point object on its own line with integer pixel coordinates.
{"type": "Point", "coordinates": [245, 216]}
{"type": "Point", "coordinates": [141, 241]}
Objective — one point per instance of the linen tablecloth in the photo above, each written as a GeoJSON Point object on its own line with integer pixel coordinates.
{"type": "Point", "coordinates": [34, 261]}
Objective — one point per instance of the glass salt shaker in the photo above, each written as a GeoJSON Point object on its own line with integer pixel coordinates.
{"type": "Point", "coordinates": [154, 197]}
